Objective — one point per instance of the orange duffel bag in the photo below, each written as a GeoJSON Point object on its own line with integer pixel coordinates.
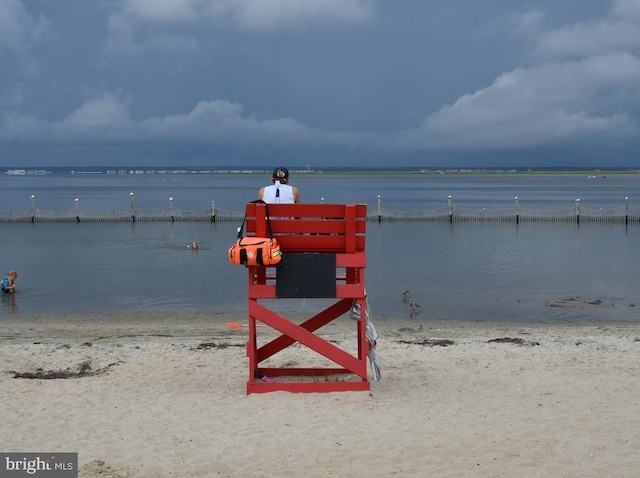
{"type": "Point", "coordinates": [255, 251]}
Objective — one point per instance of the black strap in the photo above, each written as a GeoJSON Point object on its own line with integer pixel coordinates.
{"type": "Point", "coordinates": [266, 207]}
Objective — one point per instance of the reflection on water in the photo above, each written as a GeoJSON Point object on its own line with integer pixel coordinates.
{"type": "Point", "coordinates": [473, 271]}
{"type": "Point", "coordinates": [9, 302]}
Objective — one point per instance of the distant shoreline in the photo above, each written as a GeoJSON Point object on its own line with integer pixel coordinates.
{"type": "Point", "coordinates": [178, 170]}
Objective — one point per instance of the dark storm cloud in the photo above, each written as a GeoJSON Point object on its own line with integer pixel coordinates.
{"type": "Point", "coordinates": [342, 82]}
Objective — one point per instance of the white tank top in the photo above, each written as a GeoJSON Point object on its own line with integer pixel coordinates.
{"type": "Point", "coordinates": [278, 193]}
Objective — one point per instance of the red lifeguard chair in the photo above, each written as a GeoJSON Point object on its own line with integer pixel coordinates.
{"type": "Point", "coordinates": [323, 256]}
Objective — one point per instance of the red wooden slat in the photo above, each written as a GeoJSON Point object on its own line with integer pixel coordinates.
{"type": "Point", "coordinates": [358, 259]}
{"type": "Point", "coordinates": [350, 291]}
{"type": "Point", "coordinates": [306, 210]}
{"type": "Point", "coordinates": [308, 387]}
{"type": "Point", "coordinates": [302, 226]}
{"type": "Point", "coordinates": [300, 371]}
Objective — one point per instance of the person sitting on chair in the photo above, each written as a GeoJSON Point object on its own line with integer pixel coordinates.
{"type": "Point", "coordinates": [280, 192]}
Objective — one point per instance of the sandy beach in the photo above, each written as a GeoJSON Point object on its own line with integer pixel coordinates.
{"type": "Point", "coordinates": [160, 396]}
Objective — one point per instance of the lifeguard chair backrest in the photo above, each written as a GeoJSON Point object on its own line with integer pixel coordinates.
{"type": "Point", "coordinates": [338, 228]}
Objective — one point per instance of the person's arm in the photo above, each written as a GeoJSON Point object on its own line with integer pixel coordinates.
{"type": "Point", "coordinates": [261, 194]}
{"type": "Point", "coordinates": [296, 194]}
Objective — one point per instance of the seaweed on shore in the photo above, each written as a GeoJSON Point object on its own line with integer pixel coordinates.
{"type": "Point", "coordinates": [219, 345]}
{"type": "Point", "coordinates": [510, 340]}
{"type": "Point", "coordinates": [83, 370]}
{"type": "Point", "coordinates": [429, 342]}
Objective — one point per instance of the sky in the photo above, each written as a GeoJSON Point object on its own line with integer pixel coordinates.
{"type": "Point", "coordinates": [320, 83]}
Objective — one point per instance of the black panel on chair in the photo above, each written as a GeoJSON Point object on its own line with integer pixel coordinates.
{"type": "Point", "coordinates": [306, 275]}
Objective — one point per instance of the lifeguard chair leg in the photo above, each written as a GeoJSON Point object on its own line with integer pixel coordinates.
{"type": "Point", "coordinates": [252, 343]}
{"type": "Point", "coordinates": [312, 324]}
{"type": "Point", "coordinates": [304, 335]}
{"type": "Point", "coordinates": [299, 334]}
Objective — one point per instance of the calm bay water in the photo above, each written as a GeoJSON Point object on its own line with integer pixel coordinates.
{"type": "Point", "coordinates": [460, 271]}
{"type": "Point", "coordinates": [403, 192]}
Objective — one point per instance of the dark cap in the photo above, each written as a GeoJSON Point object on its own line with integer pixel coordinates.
{"type": "Point", "coordinates": [281, 173]}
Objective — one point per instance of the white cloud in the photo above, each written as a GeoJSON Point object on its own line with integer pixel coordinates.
{"type": "Point", "coordinates": [585, 85]}
{"type": "Point", "coordinates": [589, 39]}
{"type": "Point", "coordinates": [252, 14]}
{"type": "Point", "coordinates": [13, 97]}
{"type": "Point", "coordinates": [626, 9]}
{"type": "Point", "coordinates": [221, 121]}
{"type": "Point", "coordinates": [138, 26]}
{"type": "Point", "coordinates": [107, 118]}
{"type": "Point", "coordinates": [538, 106]}
{"type": "Point", "coordinates": [120, 36]}
{"type": "Point", "coordinates": [21, 32]}
{"type": "Point", "coordinates": [170, 11]}
{"type": "Point", "coordinates": [581, 84]}
{"type": "Point", "coordinates": [99, 119]}
{"type": "Point", "coordinates": [121, 39]}
{"type": "Point", "coordinates": [620, 31]}
{"type": "Point", "coordinates": [127, 36]}
{"type": "Point", "coordinates": [176, 44]}
{"type": "Point", "coordinates": [529, 23]}
{"type": "Point", "coordinates": [103, 111]}
{"type": "Point", "coordinates": [269, 14]}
